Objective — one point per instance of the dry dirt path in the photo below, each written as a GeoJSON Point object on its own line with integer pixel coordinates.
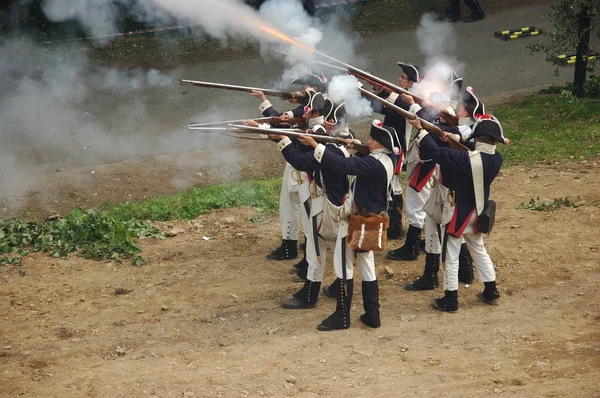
{"type": "Point", "coordinates": [203, 318]}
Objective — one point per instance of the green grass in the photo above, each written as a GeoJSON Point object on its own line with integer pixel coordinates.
{"type": "Point", "coordinates": [549, 128]}
{"type": "Point", "coordinates": [261, 194]}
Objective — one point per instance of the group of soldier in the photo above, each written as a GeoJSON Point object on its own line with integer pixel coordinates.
{"type": "Point", "coordinates": [357, 179]}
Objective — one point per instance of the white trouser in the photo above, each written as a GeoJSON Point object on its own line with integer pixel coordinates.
{"type": "Point", "coordinates": [289, 203]}
{"type": "Point", "coordinates": [414, 205]}
{"type": "Point", "coordinates": [481, 259]}
{"type": "Point", "coordinates": [432, 237]}
{"type": "Point", "coordinates": [316, 264]}
{"type": "Point", "coordinates": [365, 261]}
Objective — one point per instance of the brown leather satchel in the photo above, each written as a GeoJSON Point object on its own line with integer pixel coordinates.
{"type": "Point", "coordinates": [368, 232]}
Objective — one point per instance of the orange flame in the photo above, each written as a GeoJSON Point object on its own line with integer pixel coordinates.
{"type": "Point", "coordinates": [283, 37]}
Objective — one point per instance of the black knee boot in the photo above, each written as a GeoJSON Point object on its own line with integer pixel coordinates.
{"type": "Point", "coordinates": [395, 230]}
{"type": "Point", "coordinates": [477, 13]}
{"type": "Point", "coordinates": [370, 293]}
{"type": "Point", "coordinates": [410, 250]}
{"type": "Point", "coordinates": [429, 280]}
{"type": "Point", "coordinates": [340, 319]}
{"type": "Point", "coordinates": [465, 265]}
{"type": "Point", "coordinates": [453, 13]}
{"type": "Point", "coordinates": [448, 303]}
{"type": "Point", "coordinates": [332, 290]}
{"type": "Point", "coordinates": [490, 293]}
{"type": "Point", "coordinates": [304, 298]}
{"type": "Point", "coordinates": [287, 251]}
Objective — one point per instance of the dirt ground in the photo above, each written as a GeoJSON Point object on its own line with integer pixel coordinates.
{"type": "Point", "coordinates": [203, 317]}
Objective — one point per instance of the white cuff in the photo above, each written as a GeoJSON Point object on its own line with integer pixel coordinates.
{"type": "Point", "coordinates": [264, 125]}
{"type": "Point", "coordinates": [392, 97]}
{"type": "Point", "coordinates": [319, 150]}
{"type": "Point", "coordinates": [284, 143]}
{"type": "Point", "coordinates": [414, 108]}
{"type": "Point", "coordinates": [422, 134]}
{"type": "Point", "coordinates": [289, 114]}
{"type": "Point", "coordinates": [264, 106]}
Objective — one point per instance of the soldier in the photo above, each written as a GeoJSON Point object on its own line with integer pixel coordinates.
{"type": "Point", "coordinates": [289, 204]}
{"type": "Point", "coordinates": [370, 193]}
{"type": "Point", "coordinates": [469, 175]}
{"type": "Point", "coordinates": [335, 186]}
{"type": "Point", "coordinates": [433, 247]}
{"type": "Point", "coordinates": [410, 75]}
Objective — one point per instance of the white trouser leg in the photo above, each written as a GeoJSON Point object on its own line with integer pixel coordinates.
{"type": "Point", "coordinates": [316, 267]}
{"type": "Point", "coordinates": [343, 248]}
{"type": "Point", "coordinates": [481, 259]}
{"type": "Point", "coordinates": [451, 269]}
{"type": "Point", "coordinates": [414, 205]}
{"type": "Point", "coordinates": [289, 206]}
{"type": "Point", "coordinates": [432, 237]}
{"type": "Point", "coordinates": [366, 266]}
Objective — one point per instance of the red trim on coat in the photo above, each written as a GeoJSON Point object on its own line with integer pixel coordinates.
{"type": "Point", "coordinates": [452, 225]}
{"type": "Point", "coordinates": [308, 177]}
{"type": "Point", "coordinates": [399, 164]}
{"type": "Point", "coordinates": [415, 178]}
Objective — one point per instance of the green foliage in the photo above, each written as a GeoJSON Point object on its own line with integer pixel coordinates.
{"type": "Point", "coordinates": [556, 204]}
{"type": "Point", "coordinates": [94, 234]}
{"type": "Point", "coordinates": [550, 128]}
{"type": "Point", "coordinates": [563, 34]}
{"type": "Point", "coordinates": [262, 194]}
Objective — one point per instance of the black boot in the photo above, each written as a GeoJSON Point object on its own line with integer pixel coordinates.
{"type": "Point", "coordinates": [340, 319]}
{"type": "Point", "coordinates": [395, 230]}
{"type": "Point", "coordinates": [490, 293]}
{"type": "Point", "coordinates": [303, 264]}
{"type": "Point", "coordinates": [429, 280]}
{"type": "Point", "coordinates": [287, 251]}
{"type": "Point", "coordinates": [465, 265]}
{"type": "Point", "coordinates": [477, 13]}
{"type": "Point", "coordinates": [452, 13]}
{"type": "Point", "coordinates": [410, 250]}
{"type": "Point", "coordinates": [304, 298]}
{"type": "Point", "coordinates": [300, 275]}
{"type": "Point", "coordinates": [370, 292]}
{"type": "Point", "coordinates": [448, 303]}
{"type": "Point", "coordinates": [333, 289]}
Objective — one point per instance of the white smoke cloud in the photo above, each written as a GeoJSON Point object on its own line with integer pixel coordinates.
{"type": "Point", "coordinates": [437, 41]}
{"type": "Point", "coordinates": [344, 88]}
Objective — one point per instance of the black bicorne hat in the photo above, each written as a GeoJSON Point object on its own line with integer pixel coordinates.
{"type": "Point", "coordinates": [472, 104]}
{"type": "Point", "coordinates": [337, 114]}
{"type": "Point", "coordinates": [312, 80]}
{"type": "Point", "coordinates": [412, 72]}
{"type": "Point", "coordinates": [385, 135]}
{"type": "Point", "coordinates": [490, 126]}
{"type": "Point", "coordinates": [456, 84]}
{"type": "Point", "coordinates": [316, 103]}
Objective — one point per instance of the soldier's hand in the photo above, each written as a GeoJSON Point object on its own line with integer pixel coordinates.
{"type": "Point", "coordinates": [251, 123]}
{"type": "Point", "coordinates": [416, 123]}
{"type": "Point", "coordinates": [408, 99]}
{"type": "Point", "coordinates": [258, 94]}
{"type": "Point", "coordinates": [276, 137]}
{"type": "Point", "coordinates": [308, 140]}
{"type": "Point", "coordinates": [284, 117]}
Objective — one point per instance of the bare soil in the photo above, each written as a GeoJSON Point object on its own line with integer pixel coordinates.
{"type": "Point", "coordinates": [203, 317]}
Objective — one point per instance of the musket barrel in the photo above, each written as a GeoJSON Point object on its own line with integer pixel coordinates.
{"type": "Point", "coordinates": [233, 87]}
{"type": "Point", "coordinates": [372, 78]}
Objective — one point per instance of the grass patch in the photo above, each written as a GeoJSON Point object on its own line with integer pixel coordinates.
{"type": "Point", "coordinates": [556, 204]}
{"type": "Point", "coordinates": [549, 128]}
{"type": "Point", "coordinates": [111, 232]}
{"type": "Point", "coordinates": [260, 194]}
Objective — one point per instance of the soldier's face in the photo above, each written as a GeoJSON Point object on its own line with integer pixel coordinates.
{"type": "Point", "coordinates": [404, 82]}
{"type": "Point", "coordinates": [373, 144]}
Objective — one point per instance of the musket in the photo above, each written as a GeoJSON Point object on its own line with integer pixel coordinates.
{"type": "Point", "coordinates": [281, 94]}
{"type": "Point", "coordinates": [339, 68]}
{"type": "Point", "coordinates": [411, 116]}
{"type": "Point", "coordinates": [274, 119]}
{"type": "Point", "coordinates": [388, 86]}
{"type": "Point", "coordinates": [364, 149]}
